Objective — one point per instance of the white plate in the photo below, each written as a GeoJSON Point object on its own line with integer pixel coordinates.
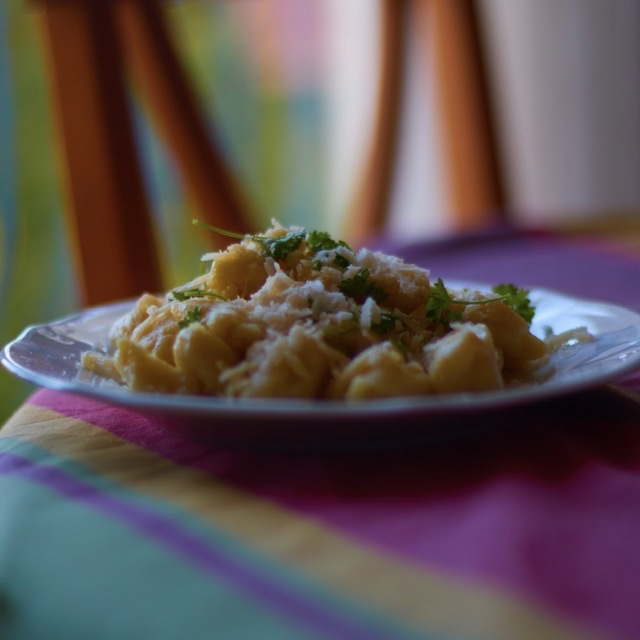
{"type": "Point", "coordinates": [48, 355]}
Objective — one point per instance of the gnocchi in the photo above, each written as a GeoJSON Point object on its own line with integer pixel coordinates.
{"type": "Point", "coordinates": [295, 314]}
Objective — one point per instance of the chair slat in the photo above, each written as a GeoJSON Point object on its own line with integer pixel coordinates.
{"type": "Point", "coordinates": [109, 215]}
{"type": "Point", "coordinates": [450, 34]}
{"type": "Point", "coordinates": [89, 43]}
{"type": "Point", "coordinates": [174, 107]}
{"type": "Point", "coordinates": [370, 211]}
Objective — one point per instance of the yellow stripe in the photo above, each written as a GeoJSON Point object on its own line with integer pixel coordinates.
{"type": "Point", "coordinates": [426, 599]}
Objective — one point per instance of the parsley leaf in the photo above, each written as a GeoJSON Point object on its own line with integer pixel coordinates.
{"type": "Point", "coordinates": [338, 261]}
{"type": "Point", "coordinates": [359, 287]}
{"type": "Point", "coordinates": [322, 241]}
{"type": "Point", "coordinates": [279, 248]}
{"type": "Point", "coordinates": [341, 261]}
{"type": "Point", "coordinates": [386, 324]}
{"type": "Point", "coordinates": [439, 310]}
{"type": "Point", "coordinates": [517, 299]}
{"type": "Point", "coordinates": [193, 315]}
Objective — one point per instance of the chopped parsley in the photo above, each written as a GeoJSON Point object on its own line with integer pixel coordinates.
{"type": "Point", "coordinates": [359, 287]}
{"type": "Point", "coordinates": [322, 241]}
{"type": "Point", "coordinates": [187, 294]}
{"type": "Point", "coordinates": [193, 315]}
{"type": "Point", "coordinates": [438, 310]}
{"type": "Point", "coordinates": [517, 299]}
{"type": "Point", "coordinates": [439, 304]}
{"type": "Point", "coordinates": [386, 324]}
{"type": "Point", "coordinates": [338, 261]}
{"type": "Point", "coordinates": [280, 248]}
{"type": "Point", "coordinates": [341, 261]}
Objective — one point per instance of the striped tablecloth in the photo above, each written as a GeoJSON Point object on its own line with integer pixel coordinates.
{"type": "Point", "coordinates": [112, 527]}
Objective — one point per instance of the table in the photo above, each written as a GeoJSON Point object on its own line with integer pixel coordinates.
{"type": "Point", "coordinates": [113, 527]}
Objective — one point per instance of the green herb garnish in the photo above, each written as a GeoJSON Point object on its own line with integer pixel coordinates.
{"type": "Point", "coordinates": [223, 232]}
{"type": "Point", "coordinates": [193, 315]}
{"type": "Point", "coordinates": [280, 248]}
{"type": "Point", "coordinates": [359, 287]}
{"type": "Point", "coordinates": [338, 261]}
{"type": "Point", "coordinates": [321, 241]}
{"type": "Point", "coordinates": [187, 294]}
{"type": "Point", "coordinates": [386, 324]}
{"type": "Point", "coordinates": [277, 248]}
{"type": "Point", "coordinates": [438, 310]}
{"type": "Point", "coordinates": [517, 299]}
{"type": "Point", "coordinates": [341, 261]}
{"type": "Point", "coordinates": [440, 301]}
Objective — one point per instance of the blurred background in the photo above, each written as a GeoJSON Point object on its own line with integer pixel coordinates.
{"type": "Point", "coordinates": [292, 86]}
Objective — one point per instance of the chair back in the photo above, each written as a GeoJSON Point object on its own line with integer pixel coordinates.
{"type": "Point", "coordinates": [91, 47]}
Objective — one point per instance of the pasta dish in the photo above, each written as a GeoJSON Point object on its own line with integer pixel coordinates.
{"type": "Point", "coordinates": [292, 313]}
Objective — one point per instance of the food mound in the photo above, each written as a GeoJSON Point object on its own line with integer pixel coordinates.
{"type": "Point", "coordinates": [293, 313]}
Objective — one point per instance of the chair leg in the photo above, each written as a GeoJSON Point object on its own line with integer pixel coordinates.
{"type": "Point", "coordinates": [372, 199]}
{"type": "Point", "coordinates": [163, 81]}
{"type": "Point", "coordinates": [450, 33]}
{"type": "Point", "coordinates": [110, 217]}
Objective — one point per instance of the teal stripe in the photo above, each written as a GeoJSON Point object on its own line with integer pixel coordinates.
{"type": "Point", "coordinates": [68, 573]}
{"type": "Point", "coordinates": [364, 621]}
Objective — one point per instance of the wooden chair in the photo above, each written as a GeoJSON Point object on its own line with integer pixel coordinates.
{"type": "Point", "coordinates": [90, 46]}
{"type": "Point", "coordinates": [451, 28]}
{"type": "Point", "coordinates": [450, 35]}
